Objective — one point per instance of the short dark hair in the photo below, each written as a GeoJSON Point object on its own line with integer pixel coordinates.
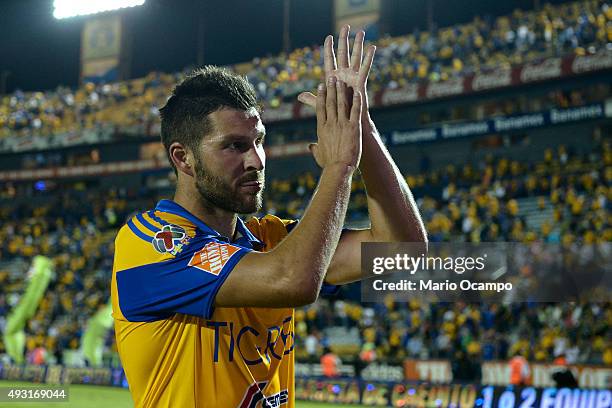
{"type": "Point", "coordinates": [184, 118]}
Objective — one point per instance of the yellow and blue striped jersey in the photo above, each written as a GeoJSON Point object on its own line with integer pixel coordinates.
{"type": "Point", "coordinates": [177, 349]}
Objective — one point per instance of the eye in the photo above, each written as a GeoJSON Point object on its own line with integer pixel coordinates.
{"type": "Point", "coordinates": [237, 146]}
{"type": "Point", "coordinates": [259, 141]}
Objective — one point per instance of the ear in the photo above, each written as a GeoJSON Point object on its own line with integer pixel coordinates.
{"type": "Point", "coordinates": [182, 158]}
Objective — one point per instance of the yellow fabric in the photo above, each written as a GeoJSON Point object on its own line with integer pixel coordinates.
{"type": "Point", "coordinates": [171, 362]}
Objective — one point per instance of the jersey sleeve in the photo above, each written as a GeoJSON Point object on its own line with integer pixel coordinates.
{"type": "Point", "coordinates": [187, 283]}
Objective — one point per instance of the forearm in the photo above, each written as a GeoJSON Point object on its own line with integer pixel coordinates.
{"type": "Point", "coordinates": [394, 215]}
{"type": "Point", "coordinates": [307, 252]}
{"type": "Point", "coordinates": [291, 274]}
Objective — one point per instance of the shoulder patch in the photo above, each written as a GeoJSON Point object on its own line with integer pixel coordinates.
{"type": "Point", "coordinates": [170, 238]}
{"type": "Point", "coordinates": [213, 257]}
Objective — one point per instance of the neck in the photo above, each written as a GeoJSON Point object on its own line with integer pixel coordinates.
{"type": "Point", "coordinates": [222, 221]}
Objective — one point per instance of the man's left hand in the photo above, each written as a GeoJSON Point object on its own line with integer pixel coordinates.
{"type": "Point", "coordinates": [354, 71]}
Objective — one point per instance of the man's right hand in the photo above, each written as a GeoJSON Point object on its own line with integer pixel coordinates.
{"type": "Point", "coordinates": [338, 126]}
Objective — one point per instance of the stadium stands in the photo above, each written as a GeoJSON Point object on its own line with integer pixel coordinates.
{"type": "Point", "coordinates": [578, 28]}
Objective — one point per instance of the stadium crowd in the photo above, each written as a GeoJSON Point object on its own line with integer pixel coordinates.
{"type": "Point", "coordinates": [485, 43]}
{"type": "Point", "coordinates": [131, 106]}
{"type": "Point", "coordinates": [393, 331]}
{"type": "Point", "coordinates": [79, 238]}
{"type": "Point", "coordinates": [474, 203]}
{"type": "Point", "coordinates": [478, 202]}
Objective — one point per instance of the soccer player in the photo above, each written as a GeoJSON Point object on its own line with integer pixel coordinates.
{"type": "Point", "coordinates": [203, 302]}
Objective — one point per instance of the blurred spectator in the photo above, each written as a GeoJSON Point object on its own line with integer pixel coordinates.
{"type": "Point", "coordinates": [312, 346]}
{"type": "Point", "coordinates": [330, 363]}
{"type": "Point", "coordinates": [368, 353]}
{"type": "Point", "coordinates": [562, 375]}
{"type": "Point", "coordinates": [519, 370]}
{"type": "Point", "coordinates": [466, 368]}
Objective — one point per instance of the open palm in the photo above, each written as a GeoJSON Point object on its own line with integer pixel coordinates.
{"type": "Point", "coordinates": [353, 70]}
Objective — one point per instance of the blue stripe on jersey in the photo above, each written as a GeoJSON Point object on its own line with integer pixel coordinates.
{"type": "Point", "coordinates": [138, 233]}
{"type": "Point", "coordinates": [155, 291]}
{"type": "Point", "coordinates": [146, 223]}
{"type": "Point", "coordinates": [171, 207]}
{"type": "Point", "coordinates": [156, 218]}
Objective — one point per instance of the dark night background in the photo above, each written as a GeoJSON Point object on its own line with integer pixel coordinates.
{"type": "Point", "coordinates": [41, 52]}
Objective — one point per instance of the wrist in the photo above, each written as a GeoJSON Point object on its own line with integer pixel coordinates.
{"type": "Point", "coordinates": [340, 169]}
{"type": "Point", "coordinates": [367, 124]}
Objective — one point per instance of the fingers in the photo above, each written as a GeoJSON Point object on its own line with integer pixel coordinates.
{"type": "Point", "coordinates": [343, 58]}
{"type": "Point", "coordinates": [331, 100]}
{"type": "Point", "coordinates": [329, 58]}
{"type": "Point", "coordinates": [357, 52]}
{"type": "Point", "coordinates": [320, 105]}
{"type": "Point", "coordinates": [343, 111]}
{"type": "Point", "coordinates": [356, 108]}
{"type": "Point", "coordinates": [364, 71]}
{"type": "Point", "coordinates": [343, 95]}
{"type": "Point", "coordinates": [308, 98]}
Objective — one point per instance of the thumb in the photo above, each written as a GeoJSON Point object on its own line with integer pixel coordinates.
{"type": "Point", "coordinates": [307, 98]}
{"type": "Point", "coordinates": [313, 148]}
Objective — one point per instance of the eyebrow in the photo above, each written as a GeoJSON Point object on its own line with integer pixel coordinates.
{"type": "Point", "coordinates": [236, 136]}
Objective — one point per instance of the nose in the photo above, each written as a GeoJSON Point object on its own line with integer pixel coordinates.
{"type": "Point", "coordinates": [255, 159]}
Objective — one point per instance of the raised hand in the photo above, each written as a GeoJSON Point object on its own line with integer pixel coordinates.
{"type": "Point", "coordinates": [338, 126]}
{"type": "Point", "coordinates": [353, 71]}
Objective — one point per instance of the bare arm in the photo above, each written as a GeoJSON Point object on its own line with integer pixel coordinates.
{"type": "Point", "coordinates": [293, 272]}
{"type": "Point", "coordinates": [394, 215]}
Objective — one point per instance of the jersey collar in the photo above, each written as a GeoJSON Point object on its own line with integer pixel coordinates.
{"type": "Point", "coordinates": [243, 235]}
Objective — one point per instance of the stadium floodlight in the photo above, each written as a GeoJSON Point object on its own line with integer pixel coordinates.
{"type": "Point", "coordinates": [73, 8]}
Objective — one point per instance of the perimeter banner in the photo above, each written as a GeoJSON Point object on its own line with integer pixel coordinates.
{"type": "Point", "coordinates": [389, 394]}
{"type": "Point", "coordinates": [356, 391]}
{"type": "Point", "coordinates": [547, 69]}
{"type": "Point", "coordinates": [498, 373]}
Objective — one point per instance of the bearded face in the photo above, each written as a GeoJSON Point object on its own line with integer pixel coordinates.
{"type": "Point", "coordinates": [229, 166]}
{"type": "Point", "coordinates": [242, 196]}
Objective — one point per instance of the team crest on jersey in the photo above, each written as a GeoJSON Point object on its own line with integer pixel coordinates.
{"type": "Point", "coordinates": [169, 239]}
{"type": "Point", "coordinates": [213, 257]}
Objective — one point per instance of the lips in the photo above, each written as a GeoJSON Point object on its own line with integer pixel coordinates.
{"type": "Point", "coordinates": [252, 182]}
{"type": "Point", "coordinates": [251, 186]}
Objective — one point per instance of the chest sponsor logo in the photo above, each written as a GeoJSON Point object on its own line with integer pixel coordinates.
{"type": "Point", "coordinates": [213, 257]}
